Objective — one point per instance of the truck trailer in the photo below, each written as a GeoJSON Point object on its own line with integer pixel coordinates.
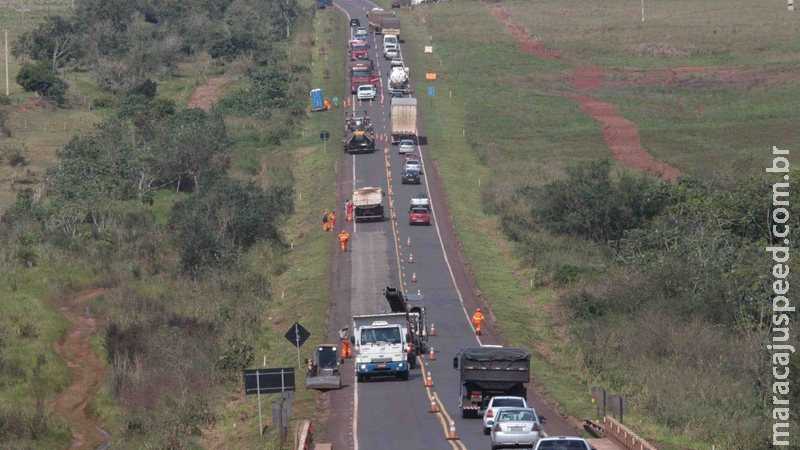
{"type": "Point", "coordinates": [404, 119]}
{"type": "Point", "coordinates": [368, 204]}
{"type": "Point", "coordinates": [487, 372]}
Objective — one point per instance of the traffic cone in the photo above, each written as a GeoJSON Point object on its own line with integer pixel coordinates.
{"type": "Point", "coordinates": [386, 151]}
{"type": "Point", "coordinates": [431, 355]}
{"type": "Point", "coordinates": [408, 242]}
{"type": "Point", "coordinates": [451, 435]}
{"type": "Point", "coordinates": [433, 330]}
{"type": "Point", "coordinates": [413, 277]}
{"type": "Point", "coordinates": [433, 409]}
{"type": "Point", "coordinates": [419, 292]}
{"type": "Point", "coordinates": [411, 258]}
{"type": "Point", "coordinates": [429, 381]}
{"type": "Point", "coordinates": [388, 166]}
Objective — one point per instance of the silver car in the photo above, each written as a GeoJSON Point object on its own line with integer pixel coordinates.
{"type": "Point", "coordinates": [406, 146]}
{"type": "Point", "coordinates": [516, 427]}
{"type": "Point", "coordinates": [563, 443]}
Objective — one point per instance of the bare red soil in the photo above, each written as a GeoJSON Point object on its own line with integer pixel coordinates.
{"type": "Point", "coordinates": [87, 372]}
{"type": "Point", "coordinates": [207, 94]}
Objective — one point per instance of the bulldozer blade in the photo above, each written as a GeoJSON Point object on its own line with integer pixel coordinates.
{"type": "Point", "coordinates": [324, 382]}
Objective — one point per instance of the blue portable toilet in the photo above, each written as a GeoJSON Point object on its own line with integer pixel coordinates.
{"type": "Point", "coordinates": [317, 103]}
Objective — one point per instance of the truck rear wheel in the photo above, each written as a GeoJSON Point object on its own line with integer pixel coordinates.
{"type": "Point", "coordinates": [361, 378]}
{"type": "Point", "coordinates": [403, 375]}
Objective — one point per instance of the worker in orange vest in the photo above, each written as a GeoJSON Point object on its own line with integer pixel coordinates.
{"type": "Point", "coordinates": [344, 236]}
{"type": "Point", "coordinates": [347, 351]}
{"type": "Point", "coordinates": [349, 208]}
{"type": "Point", "coordinates": [326, 220]}
{"type": "Point", "coordinates": [327, 104]}
{"type": "Point", "coordinates": [477, 321]}
{"type": "Point", "coordinates": [332, 219]}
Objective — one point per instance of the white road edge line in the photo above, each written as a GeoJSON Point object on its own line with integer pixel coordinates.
{"type": "Point", "coordinates": [355, 382]}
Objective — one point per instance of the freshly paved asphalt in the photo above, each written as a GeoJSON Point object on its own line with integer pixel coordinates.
{"type": "Point", "coordinates": [393, 414]}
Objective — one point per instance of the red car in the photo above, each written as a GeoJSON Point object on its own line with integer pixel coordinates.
{"type": "Point", "coordinates": [419, 216]}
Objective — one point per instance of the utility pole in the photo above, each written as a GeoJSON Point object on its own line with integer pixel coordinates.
{"type": "Point", "coordinates": [642, 11]}
{"type": "Point", "coordinates": [6, 45]}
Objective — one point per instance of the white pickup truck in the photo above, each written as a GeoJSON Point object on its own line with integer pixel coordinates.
{"type": "Point", "coordinates": [379, 341]}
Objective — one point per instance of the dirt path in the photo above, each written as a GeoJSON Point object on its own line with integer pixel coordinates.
{"type": "Point", "coordinates": [620, 134]}
{"type": "Point", "coordinates": [207, 94]}
{"type": "Point", "coordinates": [86, 372]}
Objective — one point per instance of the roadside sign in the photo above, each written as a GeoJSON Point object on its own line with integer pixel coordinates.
{"type": "Point", "coordinates": [430, 76]}
{"type": "Point", "coordinates": [428, 49]}
{"type": "Point", "coordinates": [431, 91]}
{"type": "Point", "coordinates": [297, 335]}
{"type": "Point", "coordinates": [324, 135]}
{"type": "Point", "coordinates": [335, 101]}
{"type": "Point", "coordinates": [268, 381]}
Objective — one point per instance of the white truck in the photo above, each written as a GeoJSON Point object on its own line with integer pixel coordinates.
{"type": "Point", "coordinates": [379, 341]}
{"type": "Point", "coordinates": [368, 204]}
{"type": "Point", "coordinates": [404, 119]}
{"type": "Point", "coordinates": [398, 85]}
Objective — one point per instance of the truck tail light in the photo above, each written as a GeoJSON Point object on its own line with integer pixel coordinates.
{"type": "Point", "coordinates": [490, 413]}
{"type": "Point", "coordinates": [476, 396]}
{"type": "Point", "coordinates": [537, 427]}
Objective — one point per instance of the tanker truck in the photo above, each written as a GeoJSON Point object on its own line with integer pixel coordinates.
{"type": "Point", "coordinates": [398, 82]}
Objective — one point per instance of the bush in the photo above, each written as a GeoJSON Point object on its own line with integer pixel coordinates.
{"type": "Point", "coordinates": [104, 100]}
{"type": "Point", "coordinates": [43, 79]}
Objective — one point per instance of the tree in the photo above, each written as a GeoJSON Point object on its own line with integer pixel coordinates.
{"type": "Point", "coordinates": [54, 41]}
{"type": "Point", "coordinates": [41, 78]}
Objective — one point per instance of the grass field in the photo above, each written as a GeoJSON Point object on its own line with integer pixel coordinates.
{"type": "Point", "coordinates": [510, 122]}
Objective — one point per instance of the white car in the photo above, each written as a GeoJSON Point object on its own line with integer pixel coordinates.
{"type": "Point", "coordinates": [413, 165]}
{"type": "Point", "coordinates": [563, 443]}
{"type": "Point", "coordinates": [366, 92]}
{"type": "Point", "coordinates": [406, 146]}
{"type": "Point", "coordinates": [397, 61]}
{"type": "Point", "coordinates": [499, 402]}
{"type": "Point", "coordinates": [390, 51]}
{"type": "Point", "coordinates": [518, 427]}
{"type": "Point", "coordinates": [361, 30]}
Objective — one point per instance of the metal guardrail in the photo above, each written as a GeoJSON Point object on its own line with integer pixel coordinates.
{"type": "Point", "coordinates": [613, 429]}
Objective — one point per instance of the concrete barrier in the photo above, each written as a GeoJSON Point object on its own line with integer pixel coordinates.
{"type": "Point", "coordinates": [624, 436]}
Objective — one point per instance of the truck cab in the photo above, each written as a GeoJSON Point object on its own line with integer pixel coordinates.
{"type": "Point", "coordinates": [358, 50]}
{"type": "Point", "coordinates": [361, 73]}
{"type": "Point", "coordinates": [380, 342]}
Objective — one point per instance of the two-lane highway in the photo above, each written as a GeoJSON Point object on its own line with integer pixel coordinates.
{"type": "Point", "coordinates": [394, 414]}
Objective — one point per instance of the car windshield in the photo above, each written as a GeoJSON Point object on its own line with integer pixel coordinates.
{"type": "Point", "coordinates": [519, 415]}
{"type": "Point", "coordinates": [497, 402]}
{"type": "Point", "coordinates": [360, 73]}
{"type": "Point", "coordinates": [412, 163]}
{"type": "Point", "coordinates": [419, 211]}
{"type": "Point", "coordinates": [365, 89]}
{"type": "Point", "coordinates": [359, 46]}
{"type": "Point", "coordinates": [562, 444]}
{"type": "Point", "coordinates": [412, 172]}
{"type": "Point", "coordinates": [380, 336]}
{"type": "Point", "coordinates": [406, 143]}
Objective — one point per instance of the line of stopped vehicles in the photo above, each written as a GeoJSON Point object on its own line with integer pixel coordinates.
{"type": "Point", "coordinates": [492, 379]}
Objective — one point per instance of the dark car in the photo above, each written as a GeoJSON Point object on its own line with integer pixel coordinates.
{"type": "Point", "coordinates": [419, 216]}
{"type": "Point", "coordinates": [395, 3]}
{"type": "Point", "coordinates": [410, 176]}
{"type": "Point", "coordinates": [355, 23]}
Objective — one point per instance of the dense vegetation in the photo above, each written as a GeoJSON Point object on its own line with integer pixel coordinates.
{"type": "Point", "coordinates": [683, 309]}
{"type": "Point", "coordinates": [145, 203]}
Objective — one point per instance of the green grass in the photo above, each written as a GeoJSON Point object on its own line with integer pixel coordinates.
{"type": "Point", "coordinates": [302, 292]}
{"type": "Point", "coordinates": [675, 32]}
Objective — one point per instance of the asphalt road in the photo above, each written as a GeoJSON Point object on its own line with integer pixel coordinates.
{"type": "Point", "coordinates": [394, 414]}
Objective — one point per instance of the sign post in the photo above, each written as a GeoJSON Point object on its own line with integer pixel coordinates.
{"type": "Point", "coordinates": [431, 92]}
{"type": "Point", "coordinates": [298, 335]}
{"type": "Point", "coordinates": [267, 381]}
{"type": "Point", "coordinates": [324, 135]}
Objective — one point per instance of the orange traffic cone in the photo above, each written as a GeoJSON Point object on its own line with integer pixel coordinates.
{"type": "Point", "coordinates": [413, 277]}
{"type": "Point", "coordinates": [411, 258]}
{"type": "Point", "coordinates": [433, 330]}
{"type": "Point", "coordinates": [431, 355]}
{"type": "Point", "coordinates": [408, 242]}
{"type": "Point", "coordinates": [419, 292]}
{"type": "Point", "coordinates": [451, 435]}
{"type": "Point", "coordinates": [429, 381]}
{"type": "Point", "coordinates": [433, 409]}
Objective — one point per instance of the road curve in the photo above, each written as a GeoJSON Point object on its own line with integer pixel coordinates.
{"type": "Point", "coordinates": [395, 414]}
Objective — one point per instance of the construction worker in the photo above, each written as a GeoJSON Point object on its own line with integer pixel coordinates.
{"type": "Point", "coordinates": [347, 351]}
{"type": "Point", "coordinates": [477, 321]}
{"type": "Point", "coordinates": [344, 236]}
{"type": "Point", "coordinates": [411, 356]}
{"type": "Point", "coordinates": [327, 104]}
{"type": "Point", "coordinates": [326, 221]}
{"type": "Point", "coordinates": [349, 207]}
{"type": "Point", "coordinates": [332, 218]}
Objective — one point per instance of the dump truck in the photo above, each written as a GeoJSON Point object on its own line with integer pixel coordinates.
{"type": "Point", "coordinates": [390, 25]}
{"type": "Point", "coordinates": [490, 371]}
{"type": "Point", "coordinates": [412, 305]}
{"type": "Point", "coordinates": [362, 73]}
{"type": "Point", "coordinates": [404, 119]}
{"type": "Point", "coordinates": [359, 141]}
{"type": "Point", "coordinates": [379, 341]}
{"type": "Point", "coordinates": [368, 204]}
{"type": "Point", "coordinates": [323, 369]}
{"type": "Point", "coordinates": [398, 84]}
{"type": "Point", "coordinates": [358, 49]}
{"type": "Point", "coordinates": [375, 17]}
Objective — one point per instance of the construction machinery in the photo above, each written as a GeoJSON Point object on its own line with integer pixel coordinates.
{"type": "Point", "coordinates": [353, 122]}
{"type": "Point", "coordinates": [323, 369]}
{"type": "Point", "coordinates": [414, 308]}
{"type": "Point", "coordinates": [359, 141]}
